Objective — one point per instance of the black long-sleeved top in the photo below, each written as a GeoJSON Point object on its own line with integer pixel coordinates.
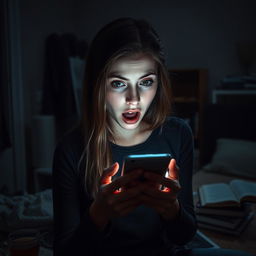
{"type": "Point", "coordinates": [142, 232]}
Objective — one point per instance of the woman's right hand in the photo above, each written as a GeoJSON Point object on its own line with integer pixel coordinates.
{"type": "Point", "coordinates": [109, 201]}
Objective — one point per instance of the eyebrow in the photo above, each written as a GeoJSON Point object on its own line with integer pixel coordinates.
{"type": "Point", "coordinates": [114, 74]}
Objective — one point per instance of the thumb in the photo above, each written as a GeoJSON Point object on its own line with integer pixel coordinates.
{"type": "Point", "coordinates": [173, 170]}
{"type": "Point", "coordinates": [108, 173]}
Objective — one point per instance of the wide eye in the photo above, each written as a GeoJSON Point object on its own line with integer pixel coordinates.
{"type": "Point", "coordinates": [117, 84]}
{"type": "Point", "coordinates": [146, 83]}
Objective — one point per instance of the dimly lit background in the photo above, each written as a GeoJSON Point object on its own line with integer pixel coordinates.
{"type": "Point", "coordinates": [210, 51]}
{"type": "Point", "coordinates": [203, 35]}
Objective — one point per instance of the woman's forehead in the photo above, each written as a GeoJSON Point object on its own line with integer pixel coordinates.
{"type": "Point", "coordinates": [136, 62]}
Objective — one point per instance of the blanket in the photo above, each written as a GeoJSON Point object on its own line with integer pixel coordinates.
{"type": "Point", "coordinates": [26, 211]}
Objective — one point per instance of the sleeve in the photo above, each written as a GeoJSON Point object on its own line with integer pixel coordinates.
{"type": "Point", "coordinates": [74, 231]}
{"type": "Point", "coordinates": [183, 228]}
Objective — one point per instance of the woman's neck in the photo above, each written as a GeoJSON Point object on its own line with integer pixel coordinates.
{"type": "Point", "coordinates": [132, 137]}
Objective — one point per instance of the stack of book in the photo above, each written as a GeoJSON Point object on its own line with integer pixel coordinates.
{"type": "Point", "coordinates": [226, 208]}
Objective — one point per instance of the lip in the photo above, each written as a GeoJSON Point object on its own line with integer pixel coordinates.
{"type": "Point", "coordinates": [132, 121]}
{"type": "Point", "coordinates": [132, 110]}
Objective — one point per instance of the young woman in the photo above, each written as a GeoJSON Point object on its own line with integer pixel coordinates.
{"type": "Point", "coordinates": [126, 111]}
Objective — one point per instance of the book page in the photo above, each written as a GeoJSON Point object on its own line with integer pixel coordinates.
{"type": "Point", "coordinates": [216, 193]}
{"type": "Point", "coordinates": [242, 188]}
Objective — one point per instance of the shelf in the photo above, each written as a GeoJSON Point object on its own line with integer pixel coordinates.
{"type": "Point", "coordinates": [189, 90]}
{"type": "Point", "coordinates": [185, 99]}
{"type": "Point", "coordinates": [233, 96]}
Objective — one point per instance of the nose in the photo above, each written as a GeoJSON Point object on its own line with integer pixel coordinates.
{"type": "Point", "coordinates": [133, 97]}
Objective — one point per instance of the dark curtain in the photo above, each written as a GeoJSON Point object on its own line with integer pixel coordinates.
{"type": "Point", "coordinates": [58, 95]}
{"type": "Point", "coordinates": [4, 134]}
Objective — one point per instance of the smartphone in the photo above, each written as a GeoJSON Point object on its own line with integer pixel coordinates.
{"type": "Point", "coordinates": [157, 163]}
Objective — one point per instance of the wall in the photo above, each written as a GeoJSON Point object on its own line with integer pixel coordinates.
{"type": "Point", "coordinates": [199, 35]}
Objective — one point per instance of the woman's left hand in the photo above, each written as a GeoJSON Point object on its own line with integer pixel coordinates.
{"type": "Point", "coordinates": [164, 201]}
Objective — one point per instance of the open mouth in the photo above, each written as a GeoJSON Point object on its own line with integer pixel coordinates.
{"type": "Point", "coordinates": [131, 117]}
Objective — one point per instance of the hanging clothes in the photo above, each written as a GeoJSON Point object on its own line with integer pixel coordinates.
{"type": "Point", "coordinates": [58, 94]}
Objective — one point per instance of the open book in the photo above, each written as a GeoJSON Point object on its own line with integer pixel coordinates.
{"type": "Point", "coordinates": [232, 194]}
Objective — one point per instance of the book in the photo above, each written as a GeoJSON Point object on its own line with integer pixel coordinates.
{"type": "Point", "coordinates": [227, 195]}
{"type": "Point", "coordinates": [250, 86]}
{"type": "Point", "coordinates": [236, 232]}
{"type": "Point", "coordinates": [241, 211]}
{"type": "Point", "coordinates": [221, 221]}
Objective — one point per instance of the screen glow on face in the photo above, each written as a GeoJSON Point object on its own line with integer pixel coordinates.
{"type": "Point", "coordinates": [131, 85]}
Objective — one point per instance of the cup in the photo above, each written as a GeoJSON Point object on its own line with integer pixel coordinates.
{"type": "Point", "coordinates": [24, 242]}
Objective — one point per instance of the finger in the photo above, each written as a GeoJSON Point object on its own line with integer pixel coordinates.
{"type": "Point", "coordinates": [153, 203]}
{"type": "Point", "coordinates": [108, 173]}
{"type": "Point", "coordinates": [167, 210]}
{"type": "Point", "coordinates": [167, 182]}
{"type": "Point", "coordinates": [125, 196]}
{"type": "Point", "coordinates": [156, 202]}
{"type": "Point", "coordinates": [153, 177]}
{"type": "Point", "coordinates": [173, 170]}
{"type": "Point", "coordinates": [166, 194]}
{"type": "Point", "coordinates": [124, 180]}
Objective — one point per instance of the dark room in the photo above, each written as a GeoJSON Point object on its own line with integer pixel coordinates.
{"type": "Point", "coordinates": [127, 128]}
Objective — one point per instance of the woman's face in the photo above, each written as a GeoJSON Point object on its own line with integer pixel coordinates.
{"type": "Point", "coordinates": [131, 86]}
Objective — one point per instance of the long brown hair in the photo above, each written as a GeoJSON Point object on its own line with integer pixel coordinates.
{"type": "Point", "coordinates": [122, 37]}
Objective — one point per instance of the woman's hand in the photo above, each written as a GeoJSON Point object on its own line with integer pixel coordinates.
{"type": "Point", "coordinates": [164, 201]}
{"type": "Point", "coordinates": [110, 201]}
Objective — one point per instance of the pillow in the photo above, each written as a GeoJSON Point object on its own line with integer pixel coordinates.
{"type": "Point", "coordinates": [235, 157]}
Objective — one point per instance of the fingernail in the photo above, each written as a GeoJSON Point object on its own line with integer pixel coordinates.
{"type": "Point", "coordinates": [114, 164]}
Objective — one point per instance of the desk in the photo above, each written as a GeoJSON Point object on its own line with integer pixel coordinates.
{"type": "Point", "coordinates": [234, 96]}
{"type": "Point", "coordinates": [247, 240]}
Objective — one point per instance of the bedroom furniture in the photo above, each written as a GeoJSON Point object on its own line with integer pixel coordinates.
{"type": "Point", "coordinates": [234, 121]}
{"type": "Point", "coordinates": [234, 96]}
{"type": "Point", "coordinates": [237, 122]}
{"type": "Point", "coordinates": [189, 88]}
